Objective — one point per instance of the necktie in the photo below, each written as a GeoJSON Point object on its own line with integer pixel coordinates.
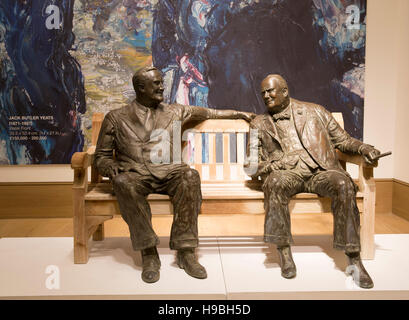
{"type": "Point", "coordinates": [282, 115]}
{"type": "Point", "coordinates": [149, 120]}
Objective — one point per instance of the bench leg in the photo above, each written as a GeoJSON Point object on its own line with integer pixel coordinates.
{"type": "Point", "coordinates": [80, 252]}
{"type": "Point", "coordinates": [99, 234]}
{"type": "Point", "coordinates": [80, 228]}
{"type": "Point", "coordinates": [368, 220]}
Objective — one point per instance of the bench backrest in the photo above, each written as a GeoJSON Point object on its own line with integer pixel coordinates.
{"type": "Point", "coordinates": [215, 148]}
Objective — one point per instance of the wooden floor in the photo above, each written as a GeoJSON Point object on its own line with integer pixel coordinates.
{"type": "Point", "coordinates": [240, 225]}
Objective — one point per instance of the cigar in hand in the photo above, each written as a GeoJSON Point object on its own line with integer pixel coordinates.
{"type": "Point", "coordinates": [381, 155]}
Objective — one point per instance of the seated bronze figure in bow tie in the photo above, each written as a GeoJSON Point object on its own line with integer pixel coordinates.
{"type": "Point", "coordinates": [124, 151]}
{"type": "Point", "coordinates": [296, 153]}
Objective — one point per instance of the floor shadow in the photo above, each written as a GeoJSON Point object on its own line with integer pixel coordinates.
{"type": "Point", "coordinates": [272, 259]}
{"type": "Point", "coordinates": [120, 248]}
{"type": "Point", "coordinates": [302, 243]}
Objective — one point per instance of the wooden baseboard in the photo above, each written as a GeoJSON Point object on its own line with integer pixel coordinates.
{"type": "Point", "coordinates": [54, 200]}
{"type": "Point", "coordinates": [36, 200]}
{"type": "Point", "coordinates": [384, 195]}
{"type": "Point", "coordinates": [400, 200]}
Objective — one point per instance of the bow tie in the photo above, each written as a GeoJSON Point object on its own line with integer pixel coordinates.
{"type": "Point", "coordinates": [282, 115]}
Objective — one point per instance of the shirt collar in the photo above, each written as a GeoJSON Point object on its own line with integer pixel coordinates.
{"type": "Point", "coordinates": [285, 114]}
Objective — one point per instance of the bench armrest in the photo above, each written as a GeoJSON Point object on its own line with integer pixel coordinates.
{"type": "Point", "coordinates": [355, 159]}
{"type": "Point", "coordinates": [366, 181]}
{"type": "Point", "coordinates": [80, 162]}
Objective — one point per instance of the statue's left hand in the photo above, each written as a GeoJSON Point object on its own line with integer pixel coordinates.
{"type": "Point", "coordinates": [370, 153]}
{"type": "Point", "coordinates": [248, 116]}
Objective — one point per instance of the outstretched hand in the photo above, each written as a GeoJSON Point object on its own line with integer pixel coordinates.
{"type": "Point", "coordinates": [247, 116]}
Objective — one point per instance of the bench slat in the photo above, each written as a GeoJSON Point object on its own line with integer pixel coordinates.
{"type": "Point", "coordinates": [103, 191]}
{"type": "Point", "coordinates": [222, 126]}
{"type": "Point", "coordinates": [218, 206]}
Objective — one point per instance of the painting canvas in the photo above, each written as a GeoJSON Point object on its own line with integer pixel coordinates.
{"type": "Point", "coordinates": [63, 60]}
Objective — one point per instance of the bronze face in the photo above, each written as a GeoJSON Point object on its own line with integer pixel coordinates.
{"type": "Point", "coordinates": [274, 94]}
{"type": "Point", "coordinates": [152, 90]}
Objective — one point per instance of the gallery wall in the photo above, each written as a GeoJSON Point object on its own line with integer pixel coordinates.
{"type": "Point", "coordinates": [387, 85]}
{"type": "Point", "coordinates": [386, 91]}
{"type": "Point", "coordinates": [401, 146]}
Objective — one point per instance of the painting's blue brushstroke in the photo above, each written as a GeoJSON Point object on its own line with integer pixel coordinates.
{"type": "Point", "coordinates": [40, 78]}
{"type": "Point", "coordinates": [338, 41]}
{"type": "Point", "coordinates": [233, 147]}
{"type": "Point", "coordinates": [233, 45]}
{"type": "Point", "coordinates": [219, 147]}
{"type": "Point", "coordinates": [205, 147]}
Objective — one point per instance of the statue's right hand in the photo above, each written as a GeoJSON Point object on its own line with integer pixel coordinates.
{"type": "Point", "coordinates": [277, 165]}
{"type": "Point", "coordinates": [114, 170]}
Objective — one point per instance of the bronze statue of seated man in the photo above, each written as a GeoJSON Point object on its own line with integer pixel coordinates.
{"type": "Point", "coordinates": [297, 144]}
{"type": "Point", "coordinates": [126, 143]}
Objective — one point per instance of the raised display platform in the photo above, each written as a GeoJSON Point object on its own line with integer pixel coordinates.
{"type": "Point", "coordinates": [238, 268]}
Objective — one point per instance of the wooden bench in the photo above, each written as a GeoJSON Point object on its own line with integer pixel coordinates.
{"type": "Point", "coordinates": [225, 187]}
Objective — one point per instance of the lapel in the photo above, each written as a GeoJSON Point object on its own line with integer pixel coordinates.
{"type": "Point", "coordinates": [131, 120]}
{"type": "Point", "coordinates": [163, 116]}
{"type": "Point", "coordinates": [300, 117]}
{"type": "Point", "coordinates": [270, 127]}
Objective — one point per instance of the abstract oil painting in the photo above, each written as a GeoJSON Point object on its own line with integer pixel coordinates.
{"type": "Point", "coordinates": [63, 60]}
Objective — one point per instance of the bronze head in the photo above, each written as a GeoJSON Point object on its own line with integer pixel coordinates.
{"type": "Point", "coordinates": [148, 86]}
{"type": "Point", "coordinates": [274, 91]}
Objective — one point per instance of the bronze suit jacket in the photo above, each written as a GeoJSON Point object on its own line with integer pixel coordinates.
{"type": "Point", "coordinates": [318, 131]}
{"type": "Point", "coordinates": [124, 139]}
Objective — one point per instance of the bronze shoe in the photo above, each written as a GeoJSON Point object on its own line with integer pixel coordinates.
{"type": "Point", "coordinates": [358, 272]}
{"type": "Point", "coordinates": [288, 269]}
{"type": "Point", "coordinates": [150, 265]}
{"type": "Point", "coordinates": [187, 260]}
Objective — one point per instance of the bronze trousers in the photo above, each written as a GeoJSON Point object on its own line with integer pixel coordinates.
{"type": "Point", "coordinates": [182, 186]}
{"type": "Point", "coordinates": [281, 185]}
